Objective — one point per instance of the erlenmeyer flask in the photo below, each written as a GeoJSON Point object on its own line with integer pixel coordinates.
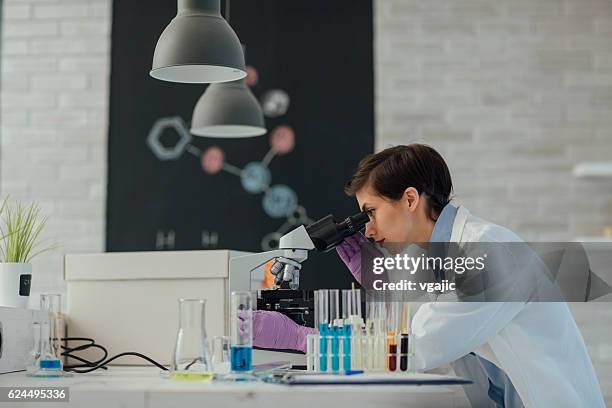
{"type": "Point", "coordinates": [49, 363]}
{"type": "Point", "coordinates": [191, 357]}
{"type": "Point", "coordinates": [31, 360]}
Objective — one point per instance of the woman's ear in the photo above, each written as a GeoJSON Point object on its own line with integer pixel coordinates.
{"type": "Point", "coordinates": [411, 198]}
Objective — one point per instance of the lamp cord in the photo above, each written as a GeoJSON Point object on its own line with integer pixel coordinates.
{"type": "Point", "coordinates": [227, 11]}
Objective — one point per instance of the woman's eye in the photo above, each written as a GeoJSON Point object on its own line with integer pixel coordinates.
{"type": "Point", "coordinates": [370, 212]}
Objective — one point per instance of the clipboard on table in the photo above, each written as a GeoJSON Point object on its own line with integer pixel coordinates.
{"type": "Point", "coordinates": [372, 379]}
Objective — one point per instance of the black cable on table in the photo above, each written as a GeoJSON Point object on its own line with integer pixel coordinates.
{"type": "Point", "coordinates": [89, 366]}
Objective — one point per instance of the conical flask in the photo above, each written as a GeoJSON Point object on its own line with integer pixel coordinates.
{"type": "Point", "coordinates": [191, 357]}
{"type": "Point", "coordinates": [49, 363]}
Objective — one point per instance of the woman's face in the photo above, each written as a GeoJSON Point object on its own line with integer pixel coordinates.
{"type": "Point", "coordinates": [395, 221]}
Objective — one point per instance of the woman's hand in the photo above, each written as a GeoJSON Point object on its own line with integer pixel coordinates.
{"type": "Point", "coordinates": [350, 253]}
{"type": "Point", "coordinates": [274, 330]}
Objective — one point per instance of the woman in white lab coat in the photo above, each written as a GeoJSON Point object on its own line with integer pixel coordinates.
{"type": "Point", "coordinates": [531, 349]}
{"type": "Point", "coordinates": [406, 190]}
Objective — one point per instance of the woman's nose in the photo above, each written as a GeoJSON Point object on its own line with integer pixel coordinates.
{"type": "Point", "coordinates": [369, 230]}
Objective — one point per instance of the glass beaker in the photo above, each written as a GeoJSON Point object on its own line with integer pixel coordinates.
{"type": "Point", "coordinates": [191, 357]}
{"type": "Point", "coordinates": [241, 332]}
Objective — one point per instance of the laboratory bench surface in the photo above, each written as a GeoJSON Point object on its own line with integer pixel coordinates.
{"type": "Point", "coordinates": [144, 387]}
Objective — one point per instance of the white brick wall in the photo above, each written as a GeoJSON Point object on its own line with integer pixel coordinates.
{"type": "Point", "coordinates": [513, 93]}
{"type": "Point", "coordinates": [54, 90]}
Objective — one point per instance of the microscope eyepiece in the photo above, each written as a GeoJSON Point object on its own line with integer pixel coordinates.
{"type": "Point", "coordinates": [326, 233]}
{"type": "Point", "coordinates": [354, 223]}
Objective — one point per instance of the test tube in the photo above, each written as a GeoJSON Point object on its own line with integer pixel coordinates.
{"type": "Point", "coordinates": [392, 331]}
{"type": "Point", "coordinates": [345, 329]}
{"type": "Point", "coordinates": [405, 339]}
{"type": "Point", "coordinates": [347, 349]}
{"type": "Point", "coordinates": [312, 352]}
{"type": "Point", "coordinates": [334, 318]}
{"type": "Point", "coordinates": [347, 305]}
{"type": "Point", "coordinates": [369, 340]}
{"type": "Point", "coordinates": [343, 352]}
{"type": "Point", "coordinates": [356, 300]}
{"type": "Point", "coordinates": [334, 305]}
{"type": "Point", "coordinates": [377, 343]}
{"type": "Point", "coordinates": [321, 301]}
{"type": "Point", "coordinates": [351, 312]}
{"type": "Point", "coordinates": [241, 319]}
{"type": "Point", "coordinates": [322, 322]}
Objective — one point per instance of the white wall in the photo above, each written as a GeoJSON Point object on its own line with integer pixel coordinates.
{"type": "Point", "coordinates": [514, 93]}
{"type": "Point", "coordinates": [54, 95]}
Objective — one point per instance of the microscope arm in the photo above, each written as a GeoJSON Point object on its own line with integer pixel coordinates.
{"type": "Point", "coordinates": [242, 266]}
{"type": "Point", "coordinates": [294, 245]}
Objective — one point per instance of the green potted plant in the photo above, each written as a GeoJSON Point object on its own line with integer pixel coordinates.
{"type": "Point", "coordinates": [20, 229]}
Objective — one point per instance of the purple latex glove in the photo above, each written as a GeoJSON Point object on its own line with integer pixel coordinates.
{"type": "Point", "coordinates": [350, 253]}
{"type": "Point", "coordinates": [274, 330]}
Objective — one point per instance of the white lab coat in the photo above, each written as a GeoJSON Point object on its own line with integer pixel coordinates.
{"type": "Point", "coordinates": [538, 345]}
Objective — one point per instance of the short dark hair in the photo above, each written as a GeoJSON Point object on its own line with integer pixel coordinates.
{"type": "Point", "coordinates": [391, 171]}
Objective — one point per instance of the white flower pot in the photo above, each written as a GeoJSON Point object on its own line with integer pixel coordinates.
{"type": "Point", "coordinates": [15, 281]}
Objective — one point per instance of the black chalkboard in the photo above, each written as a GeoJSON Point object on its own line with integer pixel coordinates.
{"type": "Point", "coordinates": [318, 52]}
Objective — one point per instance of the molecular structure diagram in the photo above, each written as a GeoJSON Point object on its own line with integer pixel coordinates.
{"type": "Point", "coordinates": [278, 200]}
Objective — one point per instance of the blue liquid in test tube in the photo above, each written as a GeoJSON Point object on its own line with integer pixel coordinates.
{"type": "Point", "coordinates": [335, 349]}
{"type": "Point", "coordinates": [242, 358]}
{"type": "Point", "coordinates": [323, 346]}
{"type": "Point", "coordinates": [241, 329]}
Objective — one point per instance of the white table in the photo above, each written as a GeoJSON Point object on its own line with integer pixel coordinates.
{"type": "Point", "coordinates": [143, 387]}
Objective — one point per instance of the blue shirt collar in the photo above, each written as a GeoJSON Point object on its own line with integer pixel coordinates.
{"type": "Point", "coordinates": [444, 225]}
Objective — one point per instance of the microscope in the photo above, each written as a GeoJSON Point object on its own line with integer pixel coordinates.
{"type": "Point", "coordinates": [322, 235]}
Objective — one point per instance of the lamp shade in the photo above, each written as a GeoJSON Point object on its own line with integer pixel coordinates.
{"type": "Point", "coordinates": [228, 110]}
{"type": "Point", "coordinates": [198, 46]}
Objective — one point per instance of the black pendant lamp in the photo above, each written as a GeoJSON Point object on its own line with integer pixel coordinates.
{"type": "Point", "coordinates": [198, 46]}
{"type": "Point", "coordinates": [228, 110]}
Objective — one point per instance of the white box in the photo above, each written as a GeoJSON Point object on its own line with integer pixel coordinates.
{"type": "Point", "coordinates": [128, 301]}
